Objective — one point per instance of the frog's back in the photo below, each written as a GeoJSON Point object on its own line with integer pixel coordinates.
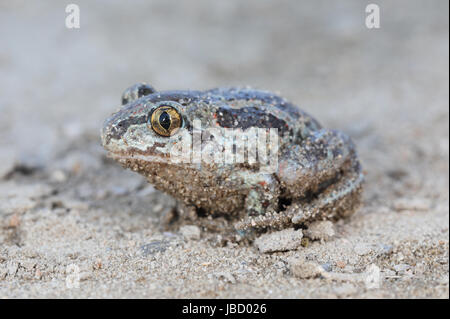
{"type": "Point", "coordinates": [241, 107]}
{"type": "Point", "coordinates": [245, 107]}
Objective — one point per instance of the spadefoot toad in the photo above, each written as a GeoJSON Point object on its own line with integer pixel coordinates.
{"type": "Point", "coordinates": [312, 173]}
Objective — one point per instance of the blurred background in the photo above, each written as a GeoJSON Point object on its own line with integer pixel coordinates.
{"type": "Point", "coordinates": [57, 83]}
{"type": "Point", "coordinates": [388, 88]}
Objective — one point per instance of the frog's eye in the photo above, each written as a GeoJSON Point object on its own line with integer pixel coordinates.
{"type": "Point", "coordinates": [165, 120]}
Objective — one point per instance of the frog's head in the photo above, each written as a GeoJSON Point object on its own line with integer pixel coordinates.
{"type": "Point", "coordinates": [146, 126]}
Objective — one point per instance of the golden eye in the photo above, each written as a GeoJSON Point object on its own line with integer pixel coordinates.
{"type": "Point", "coordinates": [165, 120]}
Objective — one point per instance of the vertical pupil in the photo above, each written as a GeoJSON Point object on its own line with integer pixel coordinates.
{"type": "Point", "coordinates": [164, 120]}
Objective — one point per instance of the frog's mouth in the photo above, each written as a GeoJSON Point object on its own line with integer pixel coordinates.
{"type": "Point", "coordinates": [120, 157]}
{"type": "Point", "coordinates": [120, 149]}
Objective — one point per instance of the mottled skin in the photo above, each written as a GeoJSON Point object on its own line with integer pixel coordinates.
{"type": "Point", "coordinates": [318, 174]}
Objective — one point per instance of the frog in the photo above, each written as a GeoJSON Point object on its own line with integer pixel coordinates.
{"type": "Point", "coordinates": [317, 176]}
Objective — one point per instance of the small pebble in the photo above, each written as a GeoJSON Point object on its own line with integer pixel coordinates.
{"type": "Point", "coordinates": [190, 232]}
{"type": "Point", "coordinates": [14, 221]}
{"type": "Point", "coordinates": [288, 239]}
{"type": "Point", "coordinates": [327, 266]}
{"type": "Point", "coordinates": [321, 230]}
{"type": "Point", "coordinates": [304, 269]}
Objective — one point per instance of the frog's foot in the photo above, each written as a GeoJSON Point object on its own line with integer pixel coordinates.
{"type": "Point", "coordinates": [171, 216]}
{"type": "Point", "coordinates": [263, 197]}
{"type": "Point", "coordinates": [185, 214]}
{"type": "Point", "coordinates": [261, 190]}
{"type": "Point", "coordinates": [340, 199]}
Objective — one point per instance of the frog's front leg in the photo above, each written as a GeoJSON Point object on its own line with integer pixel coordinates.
{"type": "Point", "coordinates": [262, 191]}
{"type": "Point", "coordinates": [262, 196]}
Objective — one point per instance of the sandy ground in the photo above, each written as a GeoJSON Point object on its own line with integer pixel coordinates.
{"type": "Point", "coordinates": [68, 211]}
